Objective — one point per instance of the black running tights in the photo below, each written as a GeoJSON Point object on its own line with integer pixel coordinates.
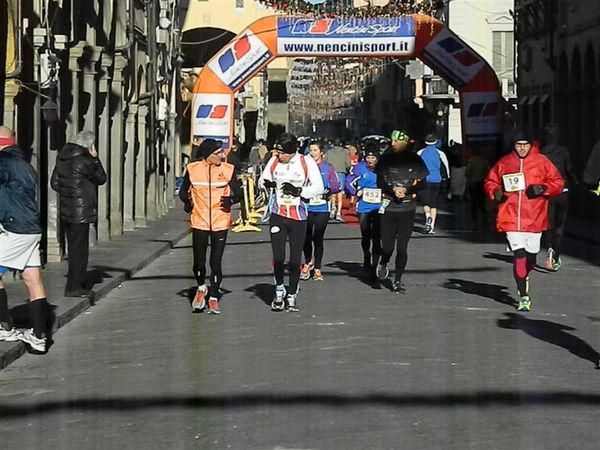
{"type": "Point", "coordinates": [315, 232]}
{"type": "Point", "coordinates": [396, 228]}
{"type": "Point", "coordinates": [370, 232]}
{"type": "Point", "coordinates": [200, 239]}
{"type": "Point", "coordinates": [282, 230]}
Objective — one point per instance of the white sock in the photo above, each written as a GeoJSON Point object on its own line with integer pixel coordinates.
{"type": "Point", "coordinates": [202, 288]}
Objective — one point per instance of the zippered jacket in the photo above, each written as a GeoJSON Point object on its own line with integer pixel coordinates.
{"type": "Point", "coordinates": [205, 184]}
{"type": "Point", "coordinates": [331, 182]}
{"type": "Point", "coordinates": [301, 171]}
{"type": "Point", "coordinates": [436, 162]}
{"type": "Point", "coordinates": [518, 212]}
{"type": "Point", "coordinates": [18, 188]}
{"type": "Point", "coordinates": [361, 177]}
{"type": "Point", "coordinates": [76, 177]}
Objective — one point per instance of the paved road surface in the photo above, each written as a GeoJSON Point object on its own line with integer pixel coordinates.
{"type": "Point", "coordinates": [450, 365]}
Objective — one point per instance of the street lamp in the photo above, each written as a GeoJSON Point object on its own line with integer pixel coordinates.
{"type": "Point", "coordinates": [50, 111]}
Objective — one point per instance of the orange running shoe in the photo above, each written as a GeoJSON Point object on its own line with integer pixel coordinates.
{"type": "Point", "coordinates": [213, 306]}
{"type": "Point", "coordinates": [199, 302]}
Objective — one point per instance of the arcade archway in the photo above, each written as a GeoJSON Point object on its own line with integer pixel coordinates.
{"type": "Point", "coordinates": [408, 36]}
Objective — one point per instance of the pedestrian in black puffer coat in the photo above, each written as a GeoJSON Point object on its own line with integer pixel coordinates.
{"type": "Point", "coordinates": [76, 177]}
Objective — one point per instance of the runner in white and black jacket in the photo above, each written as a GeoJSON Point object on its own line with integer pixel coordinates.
{"type": "Point", "coordinates": [291, 179]}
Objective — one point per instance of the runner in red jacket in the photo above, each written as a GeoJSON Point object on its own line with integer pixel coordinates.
{"type": "Point", "coordinates": [522, 182]}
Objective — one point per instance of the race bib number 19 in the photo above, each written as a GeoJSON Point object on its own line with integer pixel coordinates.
{"type": "Point", "coordinates": [514, 182]}
{"type": "Point", "coordinates": [371, 195]}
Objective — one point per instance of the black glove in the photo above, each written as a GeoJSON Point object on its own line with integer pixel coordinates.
{"type": "Point", "coordinates": [188, 206]}
{"type": "Point", "coordinates": [499, 196]}
{"type": "Point", "coordinates": [226, 204]}
{"type": "Point", "coordinates": [268, 184]}
{"type": "Point", "coordinates": [326, 195]}
{"type": "Point", "coordinates": [535, 190]}
{"type": "Point", "coordinates": [289, 189]}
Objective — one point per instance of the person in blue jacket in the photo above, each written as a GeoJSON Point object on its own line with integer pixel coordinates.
{"type": "Point", "coordinates": [439, 171]}
{"type": "Point", "coordinates": [362, 182]}
{"type": "Point", "coordinates": [318, 214]}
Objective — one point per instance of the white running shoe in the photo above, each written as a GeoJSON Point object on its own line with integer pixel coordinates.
{"type": "Point", "coordinates": [29, 337]}
{"type": "Point", "coordinates": [278, 303]}
{"type": "Point", "coordinates": [9, 335]}
{"type": "Point", "coordinates": [292, 306]}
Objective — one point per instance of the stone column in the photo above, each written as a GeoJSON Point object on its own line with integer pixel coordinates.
{"type": "Point", "coordinates": [104, 147]}
{"type": "Point", "coordinates": [172, 157]}
{"type": "Point", "coordinates": [151, 156]}
{"type": "Point", "coordinates": [53, 251]}
{"type": "Point", "coordinates": [116, 147]}
{"type": "Point", "coordinates": [11, 89]}
{"type": "Point", "coordinates": [73, 118]}
{"type": "Point", "coordinates": [90, 58]}
{"type": "Point", "coordinates": [130, 151]}
{"type": "Point", "coordinates": [140, 168]}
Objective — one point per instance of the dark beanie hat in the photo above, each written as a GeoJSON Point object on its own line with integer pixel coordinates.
{"type": "Point", "coordinates": [430, 139]}
{"type": "Point", "coordinates": [286, 143]}
{"type": "Point", "coordinates": [208, 147]}
{"type": "Point", "coordinates": [371, 149]}
{"type": "Point", "coordinates": [521, 135]}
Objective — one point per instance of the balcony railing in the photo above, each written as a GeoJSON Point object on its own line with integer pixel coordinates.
{"type": "Point", "coordinates": [436, 86]}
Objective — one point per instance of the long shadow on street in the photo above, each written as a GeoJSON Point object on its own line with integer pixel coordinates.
{"type": "Point", "coordinates": [553, 333]}
{"type": "Point", "coordinates": [492, 291]}
{"type": "Point", "coordinates": [238, 401]}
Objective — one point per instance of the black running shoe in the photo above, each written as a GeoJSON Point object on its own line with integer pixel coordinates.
{"type": "Point", "coordinates": [397, 288]}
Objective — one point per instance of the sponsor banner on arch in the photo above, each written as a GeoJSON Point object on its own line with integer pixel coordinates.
{"type": "Point", "coordinates": [240, 59]}
{"type": "Point", "coordinates": [451, 58]}
{"type": "Point", "coordinates": [377, 36]}
{"type": "Point", "coordinates": [481, 115]}
{"type": "Point", "coordinates": [212, 117]}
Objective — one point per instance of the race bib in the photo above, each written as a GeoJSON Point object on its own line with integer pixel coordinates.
{"type": "Point", "coordinates": [514, 182]}
{"type": "Point", "coordinates": [371, 195]}
{"type": "Point", "coordinates": [317, 201]}
{"type": "Point", "coordinates": [287, 200]}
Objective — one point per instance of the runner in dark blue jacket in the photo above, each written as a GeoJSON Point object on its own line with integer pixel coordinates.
{"type": "Point", "coordinates": [362, 182]}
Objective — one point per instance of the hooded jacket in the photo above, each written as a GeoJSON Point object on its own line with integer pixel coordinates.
{"type": "Point", "coordinates": [76, 177]}
{"type": "Point", "coordinates": [518, 212]}
{"type": "Point", "coordinates": [18, 188]}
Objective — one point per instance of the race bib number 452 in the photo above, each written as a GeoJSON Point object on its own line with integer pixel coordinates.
{"type": "Point", "coordinates": [514, 182]}
{"type": "Point", "coordinates": [371, 195]}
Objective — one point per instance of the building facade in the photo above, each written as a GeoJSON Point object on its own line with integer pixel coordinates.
{"type": "Point", "coordinates": [107, 66]}
{"type": "Point", "coordinates": [559, 71]}
{"type": "Point", "coordinates": [488, 27]}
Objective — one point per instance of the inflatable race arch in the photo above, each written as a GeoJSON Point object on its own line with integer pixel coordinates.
{"type": "Point", "coordinates": [411, 36]}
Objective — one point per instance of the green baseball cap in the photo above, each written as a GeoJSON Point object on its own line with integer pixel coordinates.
{"type": "Point", "coordinates": [398, 135]}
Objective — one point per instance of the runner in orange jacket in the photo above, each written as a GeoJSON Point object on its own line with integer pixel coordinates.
{"type": "Point", "coordinates": [209, 188]}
